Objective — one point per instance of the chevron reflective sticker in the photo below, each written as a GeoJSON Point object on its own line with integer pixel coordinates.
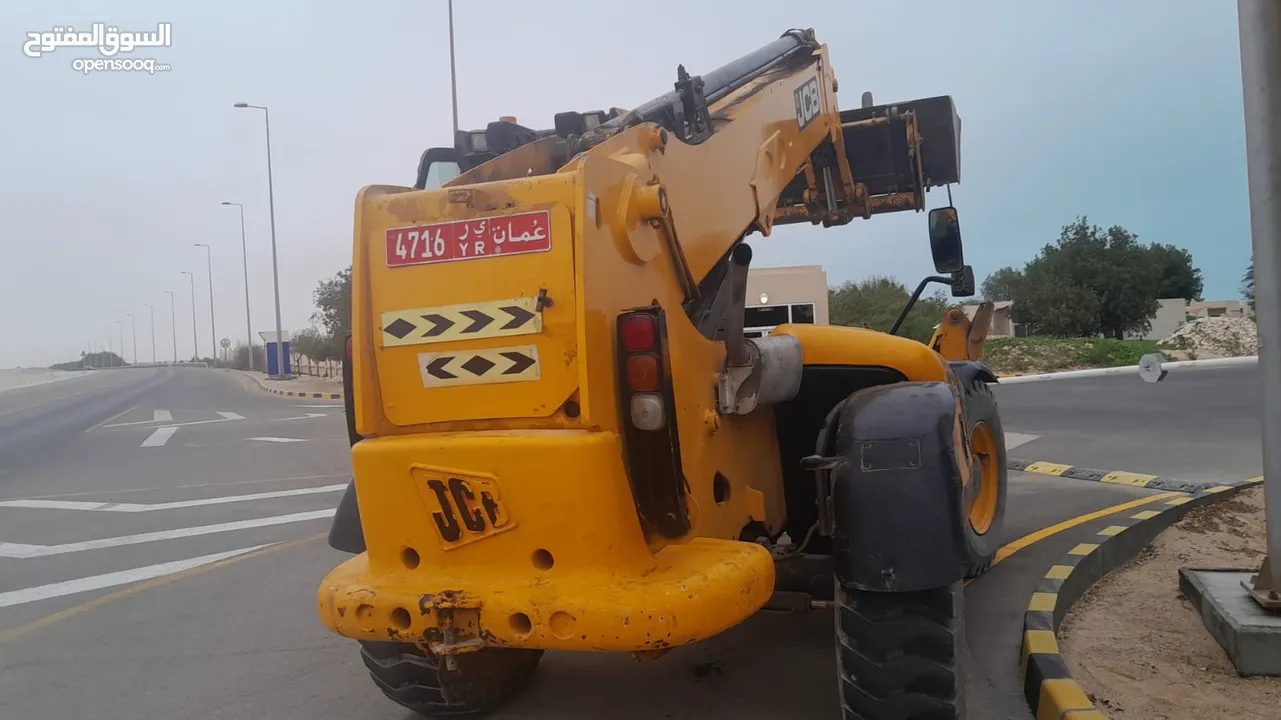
{"type": "Point", "coordinates": [479, 367]}
{"type": "Point", "coordinates": [471, 321]}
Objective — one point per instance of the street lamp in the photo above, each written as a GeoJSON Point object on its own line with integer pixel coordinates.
{"type": "Point", "coordinates": [152, 310]}
{"type": "Point", "coordinates": [275, 269]}
{"type": "Point", "coordinates": [133, 328]}
{"type": "Point", "coordinates": [244, 254]}
{"type": "Point", "coordinates": [195, 344]}
{"type": "Point", "coordinates": [213, 338]}
{"type": "Point", "coordinates": [453, 83]}
{"type": "Point", "coordinates": [173, 317]}
{"type": "Point", "coordinates": [110, 350]}
{"type": "Point", "coordinates": [122, 342]}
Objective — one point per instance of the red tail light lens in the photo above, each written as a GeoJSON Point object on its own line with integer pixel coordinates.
{"type": "Point", "coordinates": [638, 332]}
{"type": "Point", "coordinates": [642, 372]}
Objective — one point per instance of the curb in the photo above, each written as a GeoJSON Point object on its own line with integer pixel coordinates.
{"type": "Point", "coordinates": [1119, 477]}
{"type": "Point", "coordinates": [1048, 686]}
{"type": "Point", "coordinates": [297, 394]}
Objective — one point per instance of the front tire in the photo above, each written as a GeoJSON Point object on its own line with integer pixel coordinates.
{"type": "Point", "coordinates": [899, 656]}
{"type": "Point", "coordinates": [483, 681]}
{"type": "Point", "coordinates": [986, 491]}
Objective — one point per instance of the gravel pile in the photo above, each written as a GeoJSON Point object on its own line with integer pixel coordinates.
{"type": "Point", "coordinates": [1215, 337]}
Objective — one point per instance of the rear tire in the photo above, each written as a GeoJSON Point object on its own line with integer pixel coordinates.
{"type": "Point", "coordinates": [483, 681]}
{"type": "Point", "coordinates": [899, 656]}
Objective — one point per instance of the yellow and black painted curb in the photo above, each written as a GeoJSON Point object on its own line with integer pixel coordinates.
{"type": "Point", "coordinates": [1117, 477]}
{"type": "Point", "coordinates": [1050, 690]}
{"type": "Point", "coordinates": [298, 394]}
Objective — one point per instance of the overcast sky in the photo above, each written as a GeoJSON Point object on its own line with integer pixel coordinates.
{"type": "Point", "coordinates": [1128, 112]}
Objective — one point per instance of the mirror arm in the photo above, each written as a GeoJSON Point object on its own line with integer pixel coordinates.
{"type": "Point", "coordinates": [916, 296]}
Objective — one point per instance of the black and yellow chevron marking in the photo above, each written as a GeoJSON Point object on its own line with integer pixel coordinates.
{"type": "Point", "coordinates": [1047, 684]}
{"type": "Point", "coordinates": [312, 395]}
{"type": "Point", "coordinates": [471, 321]}
{"type": "Point", "coordinates": [480, 367]}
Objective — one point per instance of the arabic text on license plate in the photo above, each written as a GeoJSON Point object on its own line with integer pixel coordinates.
{"type": "Point", "coordinates": [470, 239]}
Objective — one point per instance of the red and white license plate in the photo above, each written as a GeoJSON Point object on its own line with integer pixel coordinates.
{"type": "Point", "coordinates": [517, 234]}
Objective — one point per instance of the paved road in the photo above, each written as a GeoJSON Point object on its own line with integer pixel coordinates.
{"type": "Point", "coordinates": [1195, 425]}
{"type": "Point", "coordinates": [85, 633]}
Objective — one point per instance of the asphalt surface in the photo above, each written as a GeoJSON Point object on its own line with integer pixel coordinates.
{"type": "Point", "coordinates": [98, 630]}
{"type": "Point", "coordinates": [1201, 424]}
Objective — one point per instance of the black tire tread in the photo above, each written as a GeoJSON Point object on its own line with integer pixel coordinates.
{"type": "Point", "coordinates": [899, 654]}
{"type": "Point", "coordinates": [416, 679]}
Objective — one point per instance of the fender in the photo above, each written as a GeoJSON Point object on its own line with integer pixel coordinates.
{"type": "Point", "coordinates": [896, 489]}
{"type": "Point", "coordinates": [967, 371]}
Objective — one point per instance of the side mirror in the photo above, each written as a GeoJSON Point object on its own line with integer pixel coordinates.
{"type": "Point", "coordinates": [945, 240]}
{"type": "Point", "coordinates": [963, 282]}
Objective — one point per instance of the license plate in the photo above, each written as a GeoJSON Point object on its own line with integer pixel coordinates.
{"type": "Point", "coordinates": [464, 507]}
{"type": "Point", "coordinates": [497, 236]}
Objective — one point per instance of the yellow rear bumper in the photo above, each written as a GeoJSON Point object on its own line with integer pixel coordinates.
{"type": "Point", "coordinates": [698, 590]}
{"type": "Point", "coordinates": [540, 547]}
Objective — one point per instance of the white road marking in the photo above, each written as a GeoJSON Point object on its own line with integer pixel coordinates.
{"type": "Point", "coordinates": [279, 439]}
{"type": "Point", "coordinates": [19, 550]}
{"type": "Point", "coordinates": [123, 577]}
{"type": "Point", "coordinates": [141, 507]}
{"type": "Point", "coordinates": [1013, 440]}
{"type": "Point", "coordinates": [159, 437]}
{"type": "Point", "coordinates": [302, 417]}
{"type": "Point", "coordinates": [231, 416]}
{"type": "Point", "coordinates": [161, 416]}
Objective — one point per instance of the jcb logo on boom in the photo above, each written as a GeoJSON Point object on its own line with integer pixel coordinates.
{"type": "Point", "coordinates": [808, 103]}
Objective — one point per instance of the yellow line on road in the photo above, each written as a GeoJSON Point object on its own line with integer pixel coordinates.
{"type": "Point", "coordinates": [1036, 537]}
{"type": "Point", "coordinates": [84, 607]}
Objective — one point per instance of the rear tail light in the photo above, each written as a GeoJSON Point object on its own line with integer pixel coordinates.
{"type": "Point", "coordinates": [647, 408]}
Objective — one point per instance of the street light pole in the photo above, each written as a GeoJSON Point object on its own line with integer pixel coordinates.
{"type": "Point", "coordinates": [122, 342]}
{"type": "Point", "coordinates": [110, 350]}
{"type": "Point", "coordinates": [1260, 33]}
{"type": "Point", "coordinates": [453, 83]}
{"type": "Point", "coordinates": [173, 318]}
{"type": "Point", "coordinates": [133, 328]}
{"type": "Point", "coordinates": [195, 344]}
{"type": "Point", "coordinates": [213, 338]}
{"type": "Point", "coordinates": [244, 255]}
{"type": "Point", "coordinates": [152, 310]}
{"type": "Point", "coordinates": [275, 268]}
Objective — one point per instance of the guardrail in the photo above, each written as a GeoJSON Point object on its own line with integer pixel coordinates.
{"type": "Point", "coordinates": [135, 366]}
{"type": "Point", "coordinates": [1151, 364]}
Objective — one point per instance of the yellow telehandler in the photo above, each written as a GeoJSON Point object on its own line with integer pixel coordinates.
{"type": "Point", "coordinates": [561, 438]}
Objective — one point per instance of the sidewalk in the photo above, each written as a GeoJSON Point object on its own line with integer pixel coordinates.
{"type": "Point", "coordinates": [308, 387]}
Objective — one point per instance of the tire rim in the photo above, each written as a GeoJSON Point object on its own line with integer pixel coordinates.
{"type": "Point", "coordinates": [983, 505]}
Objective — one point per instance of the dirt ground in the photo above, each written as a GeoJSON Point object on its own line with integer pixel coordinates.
{"type": "Point", "coordinates": [1137, 646]}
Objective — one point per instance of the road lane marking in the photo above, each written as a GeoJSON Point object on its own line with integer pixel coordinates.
{"type": "Point", "coordinates": [159, 437]}
{"type": "Point", "coordinates": [113, 579]}
{"type": "Point", "coordinates": [122, 413]}
{"type": "Point", "coordinates": [84, 607]}
{"type": "Point", "coordinates": [1013, 439]}
{"type": "Point", "coordinates": [308, 416]}
{"type": "Point", "coordinates": [32, 503]}
{"type": "Point", "coordinates": [161, 416]}
{"type": "Point", "coordinates": [232, 416]}
{"type": "Point", "coordinates": [1035, 537]}
{"type": "Point", "coordinates": [278, 439]}
{"type": "Point", "coordinates": [220, 483]}
{"type": "Point", "coordinates": [19, 550]}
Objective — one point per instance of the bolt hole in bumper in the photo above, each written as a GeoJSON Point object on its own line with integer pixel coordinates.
{"type": "Point", "coordinates": [563, 567]}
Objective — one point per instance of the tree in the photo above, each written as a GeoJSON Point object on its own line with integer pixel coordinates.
{"type": "Point", "coordinates": [1247, 284]}
{"type": "Point", "coordinates": [876, 302]}
{"type": "Point", "coordinates": [333, 305]}
{"type": "Point", "coordinates": [1094, 281]}
{"type": "Point", "coordinates": [1003, 284]}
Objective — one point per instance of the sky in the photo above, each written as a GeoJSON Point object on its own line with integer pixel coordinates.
{"type": "Point", "coordinates": [1126, 112]}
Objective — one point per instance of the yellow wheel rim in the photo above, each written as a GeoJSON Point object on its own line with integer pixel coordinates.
{"type": "Point", "coordinates": [983, 505]}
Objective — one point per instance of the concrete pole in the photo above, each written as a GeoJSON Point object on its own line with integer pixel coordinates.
{"type": "Point", "coordinates": [453, 82]}
{"type": "Point", "coordinates": [1260, 29]}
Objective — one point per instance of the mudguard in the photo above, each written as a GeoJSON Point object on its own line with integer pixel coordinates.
{"type": "Point", "coordinates": [897, 492]}
{"type": "Point", "coordinates": [967, 371]}
{"type": "Point", "coordinates": [346, 533]}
